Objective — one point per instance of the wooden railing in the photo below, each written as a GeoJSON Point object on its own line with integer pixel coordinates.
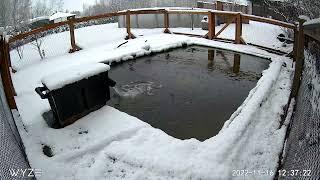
{"type": "Point", "coordinates": [232, 17]}
{"type": "Point", "coordinates": [5, 72]}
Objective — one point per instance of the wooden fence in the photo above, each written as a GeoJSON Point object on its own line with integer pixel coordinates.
{"type": "Point", "coordinates": [231, 17]}
{"type": "Point", "coordinates": [223, 6]}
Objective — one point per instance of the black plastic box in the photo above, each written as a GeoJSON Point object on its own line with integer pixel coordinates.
{"type": "Point", "coordinates": [78, 99]}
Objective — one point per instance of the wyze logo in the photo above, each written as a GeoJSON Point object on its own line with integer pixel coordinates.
{"type": "Point", "coordinates": [25, 172]}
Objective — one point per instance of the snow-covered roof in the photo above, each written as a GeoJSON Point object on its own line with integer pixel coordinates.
{"type": "Point", "coordinates": [240, 2]}
{"type": "Point", "coordinates": [38, 19]}
{"type": "Point", "coordinates": [70, 75]}
{"type": "Point", "coordinates": [312, 22]}
{"type": "Point", "coordinates": [60, 15]}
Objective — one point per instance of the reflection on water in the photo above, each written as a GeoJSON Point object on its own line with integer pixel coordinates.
{"type": "Point", "coordinates": [236, 63]}
{"type": "Point", "coordinates": [134, 89]}
{"type": "Point", "coordinates": [187, 92]}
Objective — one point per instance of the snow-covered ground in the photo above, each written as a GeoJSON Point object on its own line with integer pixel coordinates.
{"type": "Point", "coordinates": [109, 144]}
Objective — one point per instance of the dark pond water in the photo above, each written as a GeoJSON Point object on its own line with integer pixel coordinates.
{"type": "Point", "coordinates": [186, 92]}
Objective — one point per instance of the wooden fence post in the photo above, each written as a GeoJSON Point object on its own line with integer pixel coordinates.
{"type": "Point", "coordinates": [236, 63]}
{"type": "Point", "coordinates": [200, 4]}
{"type": "Point", "coordinates": [219, 5]}
{"type": "Point", "coordinates": [238, 29]}
{"type": "Point", "coordinates": [5, 73]}
{"type": "Point", "coordinates": [74, 47]}
{"type": "Point", "coordinates": [211, 25]}
{"type": "Point", "coordinates": [7, 51]}
{"type": "Point", "coordinates": [211, 54]}
{"type": "Point", "coordinates": [8, 67]}
{"type": "Point", "coordinates": [166, 22]}
{"type": "Point", "coordinates": [299, 59]}
{"type": "Point", "coordinates": [128, 26]}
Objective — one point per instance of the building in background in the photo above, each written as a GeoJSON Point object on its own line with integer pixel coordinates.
{"type": "Point", "coordinates": [45, 20]}
{"type": "Point", "coordinates": [39, 21]}
{"type": "Point", "coordinates": [60, 17]}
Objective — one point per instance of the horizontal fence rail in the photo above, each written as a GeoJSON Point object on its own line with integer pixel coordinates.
{"type": "Point", "coordinates": [269, 21]}
{"type": "Point", "coordinates": [36, 31]}
{"type": "Point", "coordinates": [96, 17]}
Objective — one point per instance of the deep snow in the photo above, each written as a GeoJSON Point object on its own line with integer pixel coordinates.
{"type": "Point", "coordinates": [67, 76]}
{"type": "Point", "coordinates": [109, 144]}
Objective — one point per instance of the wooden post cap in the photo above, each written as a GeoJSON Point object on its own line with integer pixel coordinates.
{"type": "Point", "coordinates": [303, 18]}
{"type": "Point", "coordinates": [71, 17]}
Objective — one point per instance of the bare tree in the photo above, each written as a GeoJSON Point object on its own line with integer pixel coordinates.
{"type": "Point", "coordinates": [20, 50]}
{"type": "Point", "coordinates": [13, 12]}
{"type": "Point", "coordinates": [37, 43]}
{"type": "Point", "coordinates": [4, 12]}
{"type": "Point", "coordinates": [40, 8]}
{"type": "Point", "coordinates": [20, 15]}
{"type": "Point", "coordinates": [14, 15]}
{"type": "Point", "coordinates": [56, 5]}
{"type": "Point", "coordinates": [44, 8]}
{"type": "Point", "coordinates": [291, 9]}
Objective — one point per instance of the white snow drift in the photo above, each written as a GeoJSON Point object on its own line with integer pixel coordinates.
{"type": "Point", "coordinates": [67, 76]}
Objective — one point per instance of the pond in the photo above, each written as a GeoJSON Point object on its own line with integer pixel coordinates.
{"type": "Point", "coordinates": [188, 92]}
